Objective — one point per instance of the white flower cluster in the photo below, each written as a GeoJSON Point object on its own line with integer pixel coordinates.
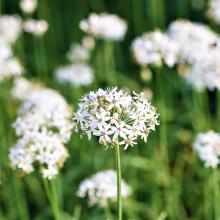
{"type": "Point", "coordinates": [155, 48]}
{"type": "Point", "coordinates": [76, 74]}
{"type": "Point", "coordinates": [193, 39]}
{"type": "Point", "coordinates": [102, 188]}
{"type": "Point", "coordinates": [199, 48]}
{"type": "Point", "coordinates": [10, 29]}
{"type": "Point", "coordinates": [115, 117]}
{"type": "Point", "coordinates": [43, 126]}
{"type": "Point", "coordinates": [78, 53]}
{"type": "Point", "coordinates": [104, 26]}
{"type": "Point", "coordinates": [214, 10]}
{"type": "Point", "coordinates": [28, 6]}
{"type": "Point", "coordinates": [206, 73]}
{"type": "Point", "coordinates": [207, 146]}
{"type": "Point", "coordinates": [35, 27]}
{"type": "Point", "coordinates": [22, 88]}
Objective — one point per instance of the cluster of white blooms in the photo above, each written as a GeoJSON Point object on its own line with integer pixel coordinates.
{"type": "Point", "coordinates": [102, 188]}
{"type": "Point", "coordinates": [115, 117]}
{"type": "Point", "coordinates": [35, 27]}
{"type": "Point", "coordinates": [207, 146]}
{"type": "Point", "coordinates": [28, 6]}
{"type": "Point", "coordinates": [206, 73]}
{"type": "Point", "coordinates": [22, 88]}
{"type": "Point", "coordinates": [10, 29]}
{"type": "Point", "coordinates": [43, 126]}
{"type": "Point", "coordinates": [155, 48]}
{"type": "Point", "coordinates": [200, 51]}
{"type": "Point", "coordinates": [104, 26]}
{"type": "Point", "coordinates": [78, 53]}
{"type": "Point", "coordinates": [193, 39]}
{"type": "Point", "coordinates": [9, 65]}
{"type": "Point", "coordinates": [214, 10]}
{"type": "Point", "coordinates": [76, 74]}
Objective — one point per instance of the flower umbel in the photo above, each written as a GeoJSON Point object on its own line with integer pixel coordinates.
{"type": "Point", "coordinates": [115, 117]}
{"type": "Point", "coordinates": [75, 74]}
{"type": "Point", "coordinates": [155, 48]}
{"type": "Point", "coordinates": [36, 27]}
{"type": "Point", "coordinates": [207, 146]}
{"type": "Point", "coordinates": [104, 26]}
{"type": "Point", "coordinates": [101, 188]}
{"type": "Point", "coordinates": [43, 127]}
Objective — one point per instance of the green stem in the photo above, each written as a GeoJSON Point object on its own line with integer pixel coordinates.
{"type": "Point", "coordinates": [20, 199]}
{"type": "Point", "coordinates": [109, 63]}
{"type": "Point", "coordinates": [201, 115]}
{"type": "Point", "coordinates": [108, 214]}
{"type": "Point", "coordinates": [118, 168]}
{"type": "Point", "coordinates": [216, 195]}
{"type": "Point", "coordinates": [171, 201]}
{"type": "Point", "coordinates": [51, 192]}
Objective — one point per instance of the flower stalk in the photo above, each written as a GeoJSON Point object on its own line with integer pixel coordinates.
{"type": "Point", "coordinates": [50, 189]}
{"type": "Point", "coordinates": [118, 169]}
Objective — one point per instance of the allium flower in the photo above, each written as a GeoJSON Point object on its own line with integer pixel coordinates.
{"type": "Point", "coordinates": [38, 147]}
{"type": "Point", "coordinates": [115, 117]}
{"type": "Point", "coordinates": [155, 48]}
{"type": "Point", "coordinates": [207, 146]}
{"type": "Point", "coordinates": [104, 26]}
{"type": "Point", "coordinates": [102, 188]}
{"type": "Point", "coordinates": [205, 73]}
{"type": "Point", "coordinates": [200, 52]}
{"type": "Point", "coordinates": [75, 74]}
{"type": "Point", "coordinates": [10, 28]}
{"type": "Point", "coordinates": [9, 68]}
{"type": "Point", "coordinates": [194, 40]}
{"type": "Point", "coordinates": [35, 27]}
{"type": "Point", "coordinates": [44, 111]}
{"type": "Point", "coordinates": [43, 127]}
{"type": "Point", "coordinates": [23, 88]}
{"type": "Point", "coordinates": [214, 10]}
{"type": "Point", "coordinates": [78, 53]}
{"type": "Point", "coordinates": [28, 6]}
{"type": "Point", "coordinates": [9, 65]}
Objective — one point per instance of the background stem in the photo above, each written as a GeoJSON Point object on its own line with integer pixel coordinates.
{"type": "Point", "coordinates": [51, 192]}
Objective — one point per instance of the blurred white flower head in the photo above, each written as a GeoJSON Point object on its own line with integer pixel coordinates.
{"type": "Point", "coordinates": [9, 65]}
{"type": "Point", "coordinates": [155, 48]}
{"type": "Point", "coordinates": [205, 73]}
{"type": "Point", "coordinates": [78, 53]}
{"type": "Point", "coordinates": [22, 88]}
{"type": "Point", "coordinates": [10, 28]}
{"type": "Point", "coordinates": [192, 38]}
{"type": "Point", "coordinates": [35, 27]}
{"type": "Point", "coordinates": [214, 10]}
{"type": "Point", "coordinates": [207, 146]}
{"type": "Point", "coordinates": [75, 74]}
{"type": "Point", "coordinates": [28, 6]}
{"type": "Point", "coordinates": [104, 26]}
{"type": "Point", "coordinates": [43, 126]}
{"type": "Point", "coordinates": [101, 188]}
{"type": "Point", "coordinates": [115, 117]}
{"type": "Point", "coordinates": [47, 151]}
{"type": "Point", "coordinates": [44, 110]}
{"type": "Point", "coordinates": [199, 49]}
